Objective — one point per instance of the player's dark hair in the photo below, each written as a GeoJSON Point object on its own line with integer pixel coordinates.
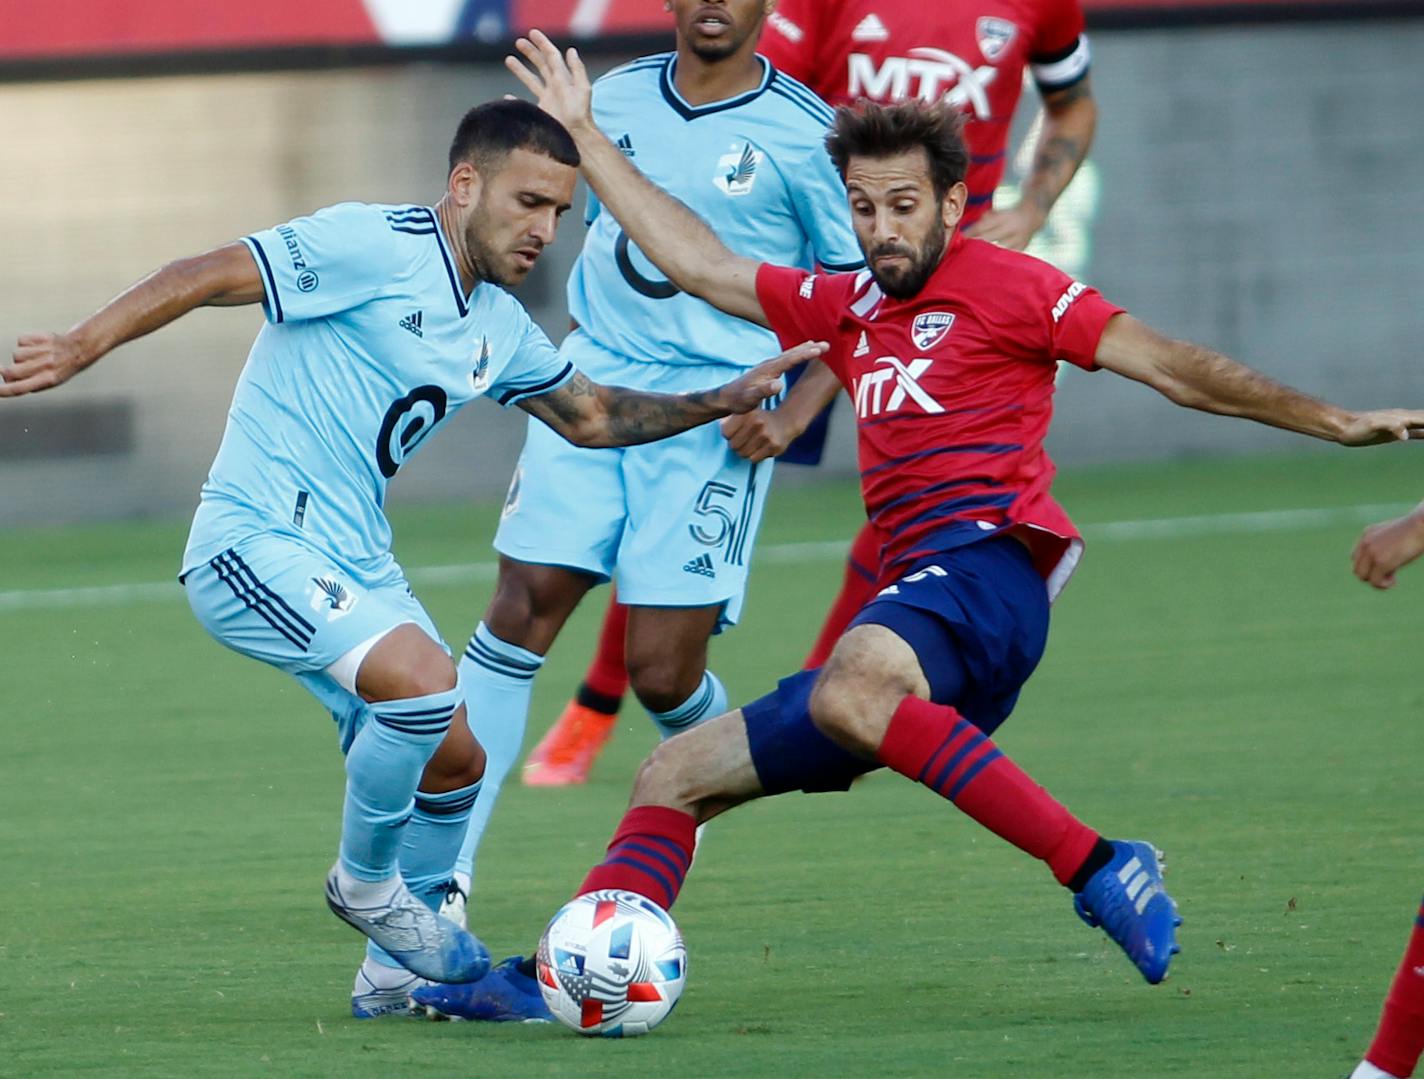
{"type": "Point", "coordinates": [489, 132]}
{"type": "Point", "coordinates": [871, 130]}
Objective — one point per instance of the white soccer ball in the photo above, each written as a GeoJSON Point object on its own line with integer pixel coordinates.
{"type": "Point", "coordinates": [612, 963]}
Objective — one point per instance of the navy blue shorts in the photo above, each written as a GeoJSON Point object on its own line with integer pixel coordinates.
{"type": "Point", "coordinates": [976, 617]}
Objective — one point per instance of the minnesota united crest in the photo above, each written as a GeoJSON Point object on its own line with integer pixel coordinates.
{"type": "Point", "coordinates": [332, 597]}
{"type": "Point", "coordinates": [737, 171]}
{"type": "Point", "coordinates": [929, 329]}
{"type": "Point", "coordinates": [480, 376]}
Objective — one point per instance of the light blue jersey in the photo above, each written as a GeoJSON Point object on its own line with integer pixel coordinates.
{"type": "Point", "coordinates": [370, 345]}
{"type": "Point", "coordinates": [754, 167]}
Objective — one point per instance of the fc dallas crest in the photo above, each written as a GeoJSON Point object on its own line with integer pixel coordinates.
{"type": "Point", "coordinates": [929, 329]}
{"type": "Point", "coordinates": [994, 36]}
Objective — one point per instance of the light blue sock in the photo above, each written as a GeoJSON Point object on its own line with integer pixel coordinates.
{"type": "Point", "coordinates": [429, 848]}
{"type": "Point", "coordinates": [708, 700]}
{"type": "Point", "coordinates": [498, 679]}
{"type": "Point", "coordinates": [383, 769]}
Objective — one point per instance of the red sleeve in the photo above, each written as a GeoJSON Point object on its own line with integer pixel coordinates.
{"type": "Point", "coordinates": [1061, 25]}
{"type": "Point", "coordinates": [802, 306]}
{"type": "Point", "coordinates": [1077, 319]}
{"type": "Point", "coordinates": [789, 40]}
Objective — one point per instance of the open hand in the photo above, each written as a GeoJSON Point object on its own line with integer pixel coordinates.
{"type": "Point", "coordinates": [40, 361]}
{"type": "Point", "coordinates": [1383, 425]}
{"type": "Point", "coordinates": [1387, 546]}
{"type": "Point", "coordinates": [764, 380]}
{"type": "Point", "coordinates": [558, 81]}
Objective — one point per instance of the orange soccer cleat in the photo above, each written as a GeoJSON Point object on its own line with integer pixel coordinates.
{"type": "Point", "coordinates": [565, 754]}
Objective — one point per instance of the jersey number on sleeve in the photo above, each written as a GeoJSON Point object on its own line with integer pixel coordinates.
{"type": "Point", "coordinates": [408, 421]}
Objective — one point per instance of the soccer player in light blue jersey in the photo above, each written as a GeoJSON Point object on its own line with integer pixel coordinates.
{"type": "Point", "coordinates": [381, 322]}
{"type": "Point", "coordinates": [743, 145]}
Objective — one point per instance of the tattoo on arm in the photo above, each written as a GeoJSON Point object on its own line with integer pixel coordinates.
{"type": "Point", "coordinates": [588, 414]}
{"type": "Point", "coordinates": [1068, 121]}
{"type": "Point", "coordinates": [1054, 163]}
{"type": "Point", "coordinates": [635, 417]}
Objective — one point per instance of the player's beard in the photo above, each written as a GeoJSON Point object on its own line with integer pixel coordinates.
{"type": "Point", "coordinates": [483, 256]}
{"type": "Point", "coordinates": [902, 284]}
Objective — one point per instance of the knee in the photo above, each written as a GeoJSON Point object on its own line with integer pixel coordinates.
{"type": "Point", "coordinates": [849, 711]}
{"type": "Point", "coordinates": [429, 674]}
{"type": "Point", "coordinates": [662, 682]}
{"type": "Point", "coordinates": [664, 778]}
{"type": "Point", "coordinates": [530, 604]}
{"type": "Point", "coordinates": [831, 707]}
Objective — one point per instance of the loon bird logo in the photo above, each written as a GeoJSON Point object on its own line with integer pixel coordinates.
{"type": "Point", "coordinates": [736, 171]}
{"type": "Point", "coordinates": [332, 595]}
{"type": "Point", "coordinates": [480, 377]}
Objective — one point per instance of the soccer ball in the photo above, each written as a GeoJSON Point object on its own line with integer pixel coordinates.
{"type": "Point", "coordinates": [612, 963]}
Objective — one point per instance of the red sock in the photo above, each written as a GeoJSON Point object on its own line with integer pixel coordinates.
{"type": "Point", "coordinates": [1399, 1041]}
{"type": "Point", "coordinates": [649, 855]}
{"type": "Point", "coordinates": [934, 745]}
{"type": "Point", "coordinates": [861, 574]}
{"type": "Point", "coordinates": [607, 675]}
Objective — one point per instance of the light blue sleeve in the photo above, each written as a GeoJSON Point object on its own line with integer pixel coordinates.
{"type": "Point", "coordinates": [331, 261]}
{"type": "Point", "coordinates": [819, 197]}
{"type": "Point", "coordinates": [535, 368]}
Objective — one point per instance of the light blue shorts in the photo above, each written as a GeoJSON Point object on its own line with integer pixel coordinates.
{"type": "Point", "coordinates": [287, 604]}
{"type": "Point", "coordinates": [673, 522]}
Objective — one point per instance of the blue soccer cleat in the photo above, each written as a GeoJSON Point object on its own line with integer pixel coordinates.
{"type": "Point", "coordinates": [504, 995]}
{"type": "Point", "coordinates": [1128, 899]}
{"type": "Point", "coordinates": [414, 935]}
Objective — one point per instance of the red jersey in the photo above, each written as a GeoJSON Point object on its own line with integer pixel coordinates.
{"type": "Point", "coordinates": [970, 55]}
{"type": "Point", "coordinates": [953, 393]}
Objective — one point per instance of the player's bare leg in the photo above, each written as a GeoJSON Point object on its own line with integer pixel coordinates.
{"type": "Point", "coordinates": [398, 851]}
{"type": "Point", "coordinates": [667, 665]}
{"type": "Point", "coordinates": [568, 749]}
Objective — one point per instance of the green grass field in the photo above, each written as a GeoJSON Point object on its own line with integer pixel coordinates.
{"type": "Point", "coordinates": [1222, 686]}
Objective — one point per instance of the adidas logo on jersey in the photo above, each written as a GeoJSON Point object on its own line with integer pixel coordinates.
{"type": "Point", "coordinates": [870, 28]}
{"type": "Point", "coordinates": [625, 143]}
{"type": "Point", "coordinates": [862, 347]}
{"type": "Point", "coordinates": [702, 566]}
{"type": "Point", "coordinates": [412, 323]}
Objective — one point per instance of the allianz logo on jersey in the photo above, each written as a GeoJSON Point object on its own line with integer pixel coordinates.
{"type": "Point", "coordinates": [929, 74]}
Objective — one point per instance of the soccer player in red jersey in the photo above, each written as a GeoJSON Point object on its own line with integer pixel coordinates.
{"type": "Point", "coordinates": [971, 56]}
{"type": "Point", "coordinates": [1394, 1053]}
{"type": "Point", "coordinates": [948, 347]}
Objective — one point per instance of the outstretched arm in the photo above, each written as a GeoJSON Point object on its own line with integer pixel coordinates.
{"type": "Point", "coordinates": [588, 414]}
{"type": "Point", "coordinates": [676, 240]}
{"type": "Point", "coordinates": [224, 277]}
{"type": "Point", "coordinates": [1196, 377]}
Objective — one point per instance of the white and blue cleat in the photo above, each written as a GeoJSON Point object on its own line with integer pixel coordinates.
{"type": "Point", "coordinates": [1129, 900]}
{"type": "Point", "coordinates": [381, 991]}
{"type": "Point", "coordinates": [413, 935]}
{"type": "Point", "coordinates": [504, 995]}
